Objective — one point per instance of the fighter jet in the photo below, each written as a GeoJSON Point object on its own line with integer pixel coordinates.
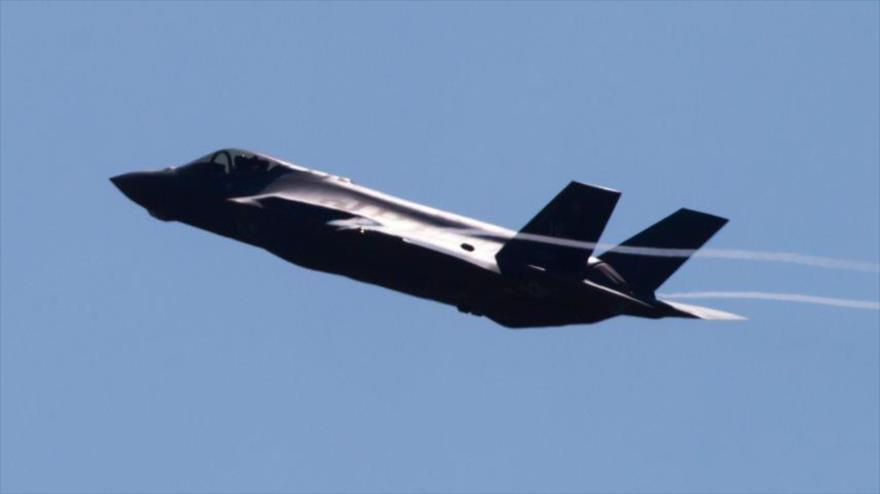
{"type": "Point", "coordinates": [543, 275]}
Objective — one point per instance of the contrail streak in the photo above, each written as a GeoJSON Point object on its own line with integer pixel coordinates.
{"type": "Point", "coordinates": [787, 297]}
{"type": "Point", "coordinates": [792, 257]}
{"type": "Point", "coordinates": [750, 255]}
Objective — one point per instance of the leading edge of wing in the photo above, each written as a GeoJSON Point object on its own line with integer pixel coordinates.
{"type": "Point", "coordinates": [446, 242]}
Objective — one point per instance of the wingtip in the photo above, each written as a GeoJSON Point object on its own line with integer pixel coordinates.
{"type": "Point", "coordinates": [706, 313]}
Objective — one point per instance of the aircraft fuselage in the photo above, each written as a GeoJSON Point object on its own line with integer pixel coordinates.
{"type": "Point", "coordinates": [327, 223]}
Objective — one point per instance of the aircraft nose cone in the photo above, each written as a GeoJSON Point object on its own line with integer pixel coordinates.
{"type": "Point", "coordinates": [135, 186]}
{"type": "Point", "coordinates": [148, 189]}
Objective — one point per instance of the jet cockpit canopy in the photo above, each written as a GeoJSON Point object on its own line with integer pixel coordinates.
{"type": "Point", "coordinates": [234, 162]}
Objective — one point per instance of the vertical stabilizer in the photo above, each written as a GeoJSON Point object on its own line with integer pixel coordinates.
{"type": "Point", "coordinates": [578, 214]}
{"type": "Point", "coordinates": [649, 258]}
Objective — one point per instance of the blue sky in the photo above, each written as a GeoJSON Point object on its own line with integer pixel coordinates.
{"type": "Point", "coordinates": [152, 357]}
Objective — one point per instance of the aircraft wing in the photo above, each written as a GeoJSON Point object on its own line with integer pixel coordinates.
{"type": "Point", "coordinates": [699, 312]}
{"type": "Point", "coordinates": [444, 241]}
{"type": "Point", "coordinates": [296, 209]}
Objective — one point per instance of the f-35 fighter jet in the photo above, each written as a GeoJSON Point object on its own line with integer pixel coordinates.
{"type": "Point", "coordinates": [543, 275]}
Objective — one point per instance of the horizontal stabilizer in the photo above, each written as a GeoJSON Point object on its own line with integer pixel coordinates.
{"type": "Point", "coordinates": [561, 237]}
{"type": "Point", "coordinates": [648, 259]}
{"type": "Point", "coordinates": [698, 312]}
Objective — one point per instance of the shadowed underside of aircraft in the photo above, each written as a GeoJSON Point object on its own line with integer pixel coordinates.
{"type": "Point", "coordinates": [543, 275]}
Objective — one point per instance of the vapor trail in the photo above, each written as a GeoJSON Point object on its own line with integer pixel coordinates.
{"type": "Point", "coordinates": [792, 257]}
{"type": "Point", "coordinates": [749, 255]}
{"type": "Point", "coordinates": [787, 297]}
